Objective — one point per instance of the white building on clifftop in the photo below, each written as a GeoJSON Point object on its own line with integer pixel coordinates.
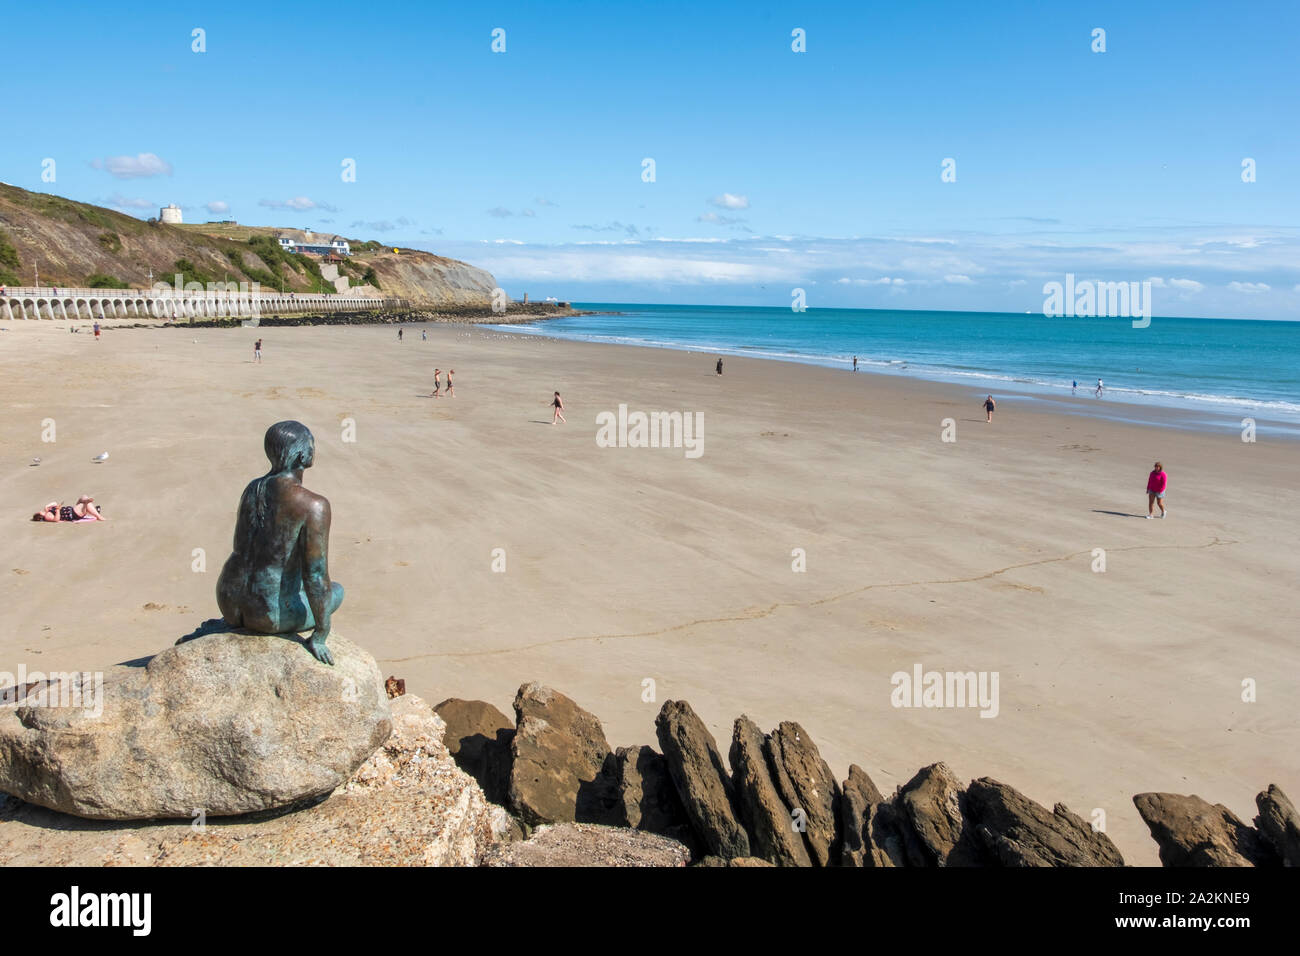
{"type": "Point", "coordinates": [170, 214]}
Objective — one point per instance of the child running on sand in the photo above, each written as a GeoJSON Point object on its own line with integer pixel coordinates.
{"type": "Point", "coordinates": [989, 405]}
{"type": "Point", "coordinates": [558, 404]}
{"type": "Point", "coordinates": [450, 392]}
{"type": "Point", "coordinates": [437, 383]}
{"type": "Point", "coordinates": [1157, 482]}
{"type": "Point", "coordinates": [257, 351]}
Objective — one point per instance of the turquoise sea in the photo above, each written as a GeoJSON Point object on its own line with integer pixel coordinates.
{"type": "Point", "coordinates": [1218, 371]}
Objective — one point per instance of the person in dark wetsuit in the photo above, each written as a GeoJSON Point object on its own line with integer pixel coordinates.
{"type": "Point", "coordinates": [719, 366]}
{"type": "Point", "coordinates": [989, 406]}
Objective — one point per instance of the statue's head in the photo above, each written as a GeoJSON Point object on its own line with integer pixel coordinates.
{"type": "Point", "coordinates": [289, 446]}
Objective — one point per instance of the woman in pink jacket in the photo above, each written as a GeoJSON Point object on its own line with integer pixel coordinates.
{"type": "Point", "coordinates": [1157, 482]}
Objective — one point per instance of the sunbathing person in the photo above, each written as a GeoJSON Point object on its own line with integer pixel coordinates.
{"type": "Point", "coordinates": [83, 510]}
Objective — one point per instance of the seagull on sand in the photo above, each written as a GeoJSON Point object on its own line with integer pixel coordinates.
{"type": "Point", "coordinates": [102, 456]}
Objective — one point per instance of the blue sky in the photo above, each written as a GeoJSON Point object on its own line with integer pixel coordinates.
{"type": "Point", "coordinates": [773, 169]}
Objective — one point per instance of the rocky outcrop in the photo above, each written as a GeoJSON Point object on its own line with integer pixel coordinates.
{"type": "Point", "coordinates": [806, 783]}
{"type": "Point", "coordinates": [408, 804]}
{"type": "Point", "coordinates": [769, 822]}
{"type": "Point", "coordinates": [859, 798]}
{"type": "Point", "coordinates": [647, 799]}
{"type": "Point", "coordinates": [224, 724]}
{"type": "Point", "coordinates": [1279, 823]}
{"type": "Point", "coordinates": [1016, 831]}
{"type": "Point", "coordinates": [935, 806]}
{"type": "Point", "coordinates": [586, 844]}
{"type": "Point", "coordinates": [740, 861]}
{"type": "Point", "coordinates": [702, 781]}
{"type": "Point", "coordinates": [1192, 832]}
{"type": "Point", "coordinates": [478, 737]}
{"type": "Point", "coordinates": [557, 761]}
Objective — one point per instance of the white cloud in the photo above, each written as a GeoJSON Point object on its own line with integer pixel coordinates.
{"type": "Point", "coordinates": [730, 201]}
{"type": "Point", "coordinates": [118, 201]}
{"type": "Point", "coordinates": [216, 207]}
{"type": "Point", "coordinates": [1249, 288]}
{"type": "Point", "coordinates": [1186, 285]}
{"type": "Point", "coordinates": [884, 280]}
{"type": "Point", "coordinates": [133, 167]}
{"type": "Point", "coordinates": [958, 280]}
{"type": "Point", "coordinates": [299, 203]}
{"type": "Point", "coordinates": [715, 219]}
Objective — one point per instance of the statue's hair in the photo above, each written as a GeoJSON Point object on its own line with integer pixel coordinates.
{"type": "Point", "coordinates": [289, 446]}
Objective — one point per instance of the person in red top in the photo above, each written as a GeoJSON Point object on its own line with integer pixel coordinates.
{"type": "Point", "coordinates": [1157, 482]}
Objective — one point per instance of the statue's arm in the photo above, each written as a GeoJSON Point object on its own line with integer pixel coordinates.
{"type": "Point", "coordinates": [316, 575]}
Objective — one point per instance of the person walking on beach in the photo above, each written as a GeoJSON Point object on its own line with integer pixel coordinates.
{"type": "Point", "coordinates": [257, 352]}
{"type": "Point", "coordinates": [96, 331]}
{"type": "Point", "coordinates": [450, 388]}
{"type": "Point", "coordinates": [855, 363]}
{"type": "Point", "coordinates": [719, 366]}
{"type": "Point", "coordinates": [1157, 482]}
{"type": "Point", "coordinates": [399, 333]}
{"type": "Point", "coordinates": [437, 383]}
{"type": "Point", "coordinates": [1074, 386]}
{"type": "Point", "coordinates": [1099, 388]}
{"type": "Point", "coordinates": [989, 405]}
{"type": "Point", "coordinates": [424, 335]}
{"type": "Point", "coordinates": [558, 404]}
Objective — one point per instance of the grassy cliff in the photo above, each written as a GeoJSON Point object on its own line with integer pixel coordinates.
{"type": "Point", "coordinates": [77, 244]}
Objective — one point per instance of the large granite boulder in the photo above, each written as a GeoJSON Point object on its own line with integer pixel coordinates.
{"type": "Point", "coordinates": [558, 758]}
{"type": "Point", "coordinates": [935, 805]}
{"type": "Point", "coordinates": [805, 781]}
{"type": "Point", "coordinates": [478, 738]}
{"type": "Point", "coordinates": [224, 724]}
{"type": "Point", "coordinates": [702, 781]}
{"type": "Point", "coordinates": [768, 820]}
{"type": "Point", "coordinates": [1016, 831]}
{"type": "Point", "coordinates": [1279, 822]}
{"type": "Point", "coordinates": [1193, 832]}
{"type": "Point", "coordinates": [407, 805]}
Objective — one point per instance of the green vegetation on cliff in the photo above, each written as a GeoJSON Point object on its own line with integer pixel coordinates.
{"type": "Point", "coordinates": [9, 262]}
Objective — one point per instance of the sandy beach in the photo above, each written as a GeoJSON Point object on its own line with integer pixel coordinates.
{"type": "Point", "coordinates": [627, 564]}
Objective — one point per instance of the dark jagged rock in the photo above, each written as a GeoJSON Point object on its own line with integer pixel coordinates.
{"type": "Point", "coordinates": [858, 796]}
{"type": "Point", "coordinates": [935, 806]}
{"type": "Point", "coordinates": [1016, 831]}
{"type": "Point", "coordinates": [647, 798]}
{"type": "Point", "coordinates": [766, 816]}
{"type": "Point", "coordinates": [702, 782]}
{"type": "Point", "coordinates": [891, 841]}
{"type": "Point", "coordinates": [1279, 823]}
{"type": "Point", "coordinates": [805, 781]}
{"type": "Point", "coordinates": [558, 757]}
{"type": "Point", "coordinates": [479, 736]}
{"type": "Point", "coordinates": [1192, 832]}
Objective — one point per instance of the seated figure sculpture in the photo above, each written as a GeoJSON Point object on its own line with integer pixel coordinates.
{"type": "Point", "coordinates": [277, 579]}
